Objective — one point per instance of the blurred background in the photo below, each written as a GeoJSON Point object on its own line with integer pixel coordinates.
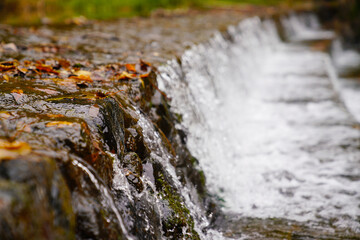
{"type": "Point", "coordinates": [55, 11]}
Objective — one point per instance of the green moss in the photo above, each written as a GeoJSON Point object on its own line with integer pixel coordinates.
{"type": "Point", "coordinates": [194, 161]}
{"type": "Point", "coordinates": [78, 65]}
{"type": "Point", "coordinates": [202, 178]}
{"type": "Point", "coordinates": [180, 217]}
{"type": "Point", "coordinates": [179, 117]}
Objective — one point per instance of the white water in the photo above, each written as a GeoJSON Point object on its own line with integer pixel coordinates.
{"type": "Point", "coordinates": [346, 61]}
{"type": "Point", "coordinates": [268, 124]}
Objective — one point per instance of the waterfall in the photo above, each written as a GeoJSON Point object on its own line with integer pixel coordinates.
{"type": "Point", "coordinates": [267, 122]}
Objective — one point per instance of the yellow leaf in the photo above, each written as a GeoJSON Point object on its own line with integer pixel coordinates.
{"type": "Point", "coordinates": [126, 75]}
{"type": "Point", "coordinates": [5, 115]}
{"type": "Point", "coordinates": [58, 124]}
{"type": "Point", "coordinates": [82, 72]}
{"type": "Point", "coordinates": [5, 66]}
{"type": "Point", "coordinates": [11, 150]}
{"type": "Point", "coordinates": [142, 82]}
{"type": "Point", "coordinates": [82, 75]}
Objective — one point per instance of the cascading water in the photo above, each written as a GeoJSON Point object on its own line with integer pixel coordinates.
{"type": "Point", "coordinates": [268, 124]}
{"type": "Point", "coordinates": [346, 62]}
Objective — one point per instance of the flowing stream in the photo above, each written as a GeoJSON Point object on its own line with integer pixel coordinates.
{"type": "Point", "coordinates": [273, 127]}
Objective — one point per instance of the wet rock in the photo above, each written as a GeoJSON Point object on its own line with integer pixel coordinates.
{"type": "Point", "coordinates": [35, 202]}
{"type": "Point", "coordinates": [96, 215]}
{"type": "Point", "coordinates": [87, 113]}
{"type": "Point", "coordinates": [134, 142]}
{"type": "Point", "coordinates": [9, 48]}
{"type": "Point", "coordinates": [132, 162]}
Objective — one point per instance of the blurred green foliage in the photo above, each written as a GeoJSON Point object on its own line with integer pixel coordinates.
{"type": "Point", "coordinates": [32, 11]}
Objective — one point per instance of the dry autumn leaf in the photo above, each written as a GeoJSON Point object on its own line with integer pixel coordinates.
{"type": "Point", "coordinates": [142, 82]}
{"type": "Point", "coordinates": [145, 75]}
{"type": "Point", "coordinates": [6, 77]}
{"type": "Point", "coordinates": [58, 124]}
{"type": "Point", "coordinates": [82, 76]}
{"type": "Point", "coordinates": [5, 115]}
{"type": "Point", "coordinates": [5, 66]}
{"type": "Point", "coordinates": [46, 68]}
{"type": "Point", "coordinates": [54, 115]}
{"type": "Point", "coordinates": [18, 91]}
{"type": "Point", "coordinates": [144, 65]}
{"type": "Point", "coordinates": [130, 67]}
{"type": "Point", "coordinates": [64, 63]}
{"type": "Point", "coordinates": [126, 75]}
{"type": "Point", "coordinates": [10, 150]}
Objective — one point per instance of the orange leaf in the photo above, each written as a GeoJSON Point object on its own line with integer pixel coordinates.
{"type": "Point", "coordinates": [46, 68]}
{"type": "Point", "coordinates": [22, 70]}
{"type": "Point", "coordinates": [54, 115]}
{"type": "Point", "coordinates": [64, 63]}
{"type": "Point", "coordinates": [130, 67]}
{"type": "Point", "coordinates": [18, 91]}
{"type": "Point", "coordinates": [82, 78]}
{"type": "Point", "coordinates": [145, 75]}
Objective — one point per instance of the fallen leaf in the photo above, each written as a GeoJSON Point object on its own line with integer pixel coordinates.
{"type": "Point", "coordinates": [144, 75]}
{"type": "Point", "coordinates": [5, 66]}
{"type": "Point", "coordinates": [59, 124]}
{"type": "Point", "coordinates": [142, 82]}
{"type": "Point", "coordinates": [64, 63]}
{"type": "Point", "coordinates": [82, 75]}
{"type": "Point", "coordinates": [54, 115]}
{"type": "Point", "coordinates": [100, 95]}
{"type": "Point", "coordinates": [83, 72]}
{"type": "Point", "coordinates": [126, 75]}
{"type": "Point", "coordinates": [23, 70]}
{"type": "Point", "coordinates": [10, 150]}
{"type": "Point", "coordinates": [27, 63]}
{"type": "Point", "coordinates": [81, 78]}
{"type": "Point", "coordinates": [18, 91]}
{"type": "Point", "coordinates": [46, 68]}
{"type": "Point", "coordinates": [144, 65]}
{"type": "Point", "coordinates": [6, 77]}
{"type": "Point", "coordinates": [130, 67]}
{"type": "Point", "coordinates": [5, 115]}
